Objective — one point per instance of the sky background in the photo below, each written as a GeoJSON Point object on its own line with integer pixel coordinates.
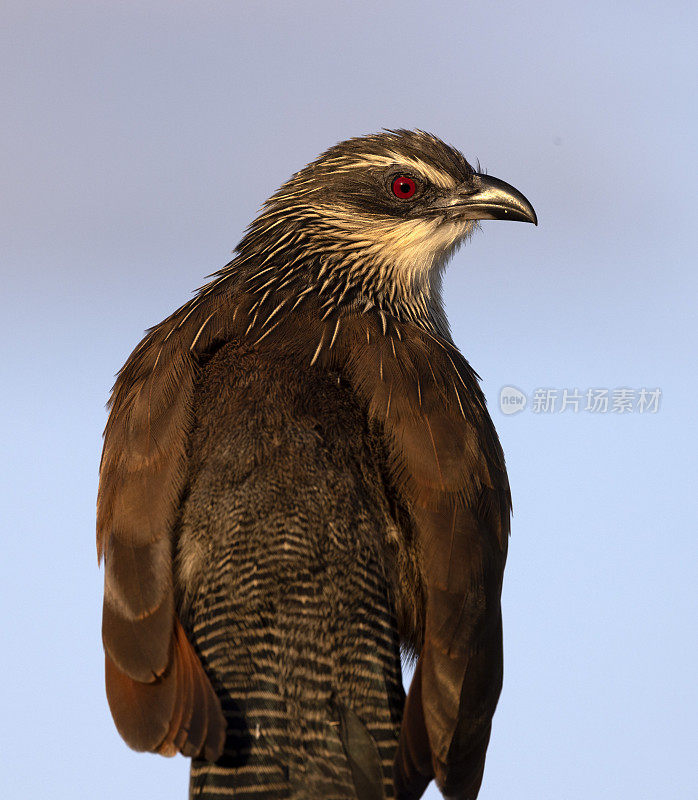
{"type": "Point", "coordinates": [137, 141]}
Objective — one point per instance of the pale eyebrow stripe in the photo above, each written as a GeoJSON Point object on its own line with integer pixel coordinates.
{"type": "Point", "coordinates": [436, 176]}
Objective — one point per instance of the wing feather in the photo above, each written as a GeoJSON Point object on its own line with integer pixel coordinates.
{"type": "Point", "coordinates": [447, 459]}
{"type": "Point", "coordinates": [158, 692]}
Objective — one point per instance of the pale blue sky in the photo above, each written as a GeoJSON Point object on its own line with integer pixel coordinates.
{"type": "Point", "coordinates": [139, 138]}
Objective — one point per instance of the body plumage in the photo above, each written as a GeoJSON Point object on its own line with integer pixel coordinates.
{"type": "Point", "coordinates": [299, 475]}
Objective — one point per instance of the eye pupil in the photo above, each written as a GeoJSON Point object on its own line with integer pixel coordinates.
{"type": "Point", "coordinates": [404, 187]}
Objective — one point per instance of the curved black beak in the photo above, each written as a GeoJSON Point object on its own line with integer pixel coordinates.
{"type": "Point", "coordinates": [486, 197]}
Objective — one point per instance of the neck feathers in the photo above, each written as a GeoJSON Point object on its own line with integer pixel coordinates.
{"type": "Point", "coordinates": [286, 266]}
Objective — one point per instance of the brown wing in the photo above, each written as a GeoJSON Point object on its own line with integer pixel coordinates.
{"type": "Point", "coordinates": [159, 695]}
{"type": "Point", "coordinates": [448, 461]}
{"type": "Point", "coordinates": [158, 692]}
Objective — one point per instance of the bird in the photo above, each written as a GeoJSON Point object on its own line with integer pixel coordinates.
{"type": "Point", "coordinates": [301, 485]}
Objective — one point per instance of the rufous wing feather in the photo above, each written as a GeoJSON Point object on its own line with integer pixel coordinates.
{"type": "Point", "coordinates": [158, 692]}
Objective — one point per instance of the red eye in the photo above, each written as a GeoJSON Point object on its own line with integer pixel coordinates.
{"type": "Point", "coordinates": [404, 187]}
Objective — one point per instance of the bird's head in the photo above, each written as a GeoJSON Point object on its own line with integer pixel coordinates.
{"type": "Point", "coordinates": [374, 220]}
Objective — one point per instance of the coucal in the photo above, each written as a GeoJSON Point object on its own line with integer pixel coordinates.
{"type": "Point", "coordinates": [299, 479]}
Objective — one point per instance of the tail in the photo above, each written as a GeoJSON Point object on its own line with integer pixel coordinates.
{"type": "Point", "coordinates": [358, 772]}
{"type": "Point", "coordinates": [362, 754]}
